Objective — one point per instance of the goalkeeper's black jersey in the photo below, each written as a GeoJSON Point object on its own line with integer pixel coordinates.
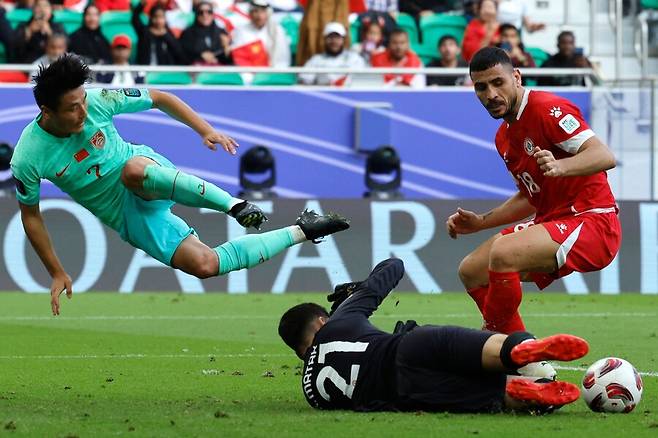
{"type": "Point", "coordinates": [351, 363]}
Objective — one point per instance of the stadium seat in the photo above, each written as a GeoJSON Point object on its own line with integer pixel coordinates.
{"type": "Point", "coordinates": [649, 4]}
{"type": "Point", "coordinates": [168, 78]}
{"type": "Point", "coordinates": [433, 27]}
{"type": "Point", "coordinates": [291, 26]}
{"type": "Point", "coordinates": [355, 28]}
{"type": "Point", "coordinates": [538, 55]}
{"type": "Point", "coordinates": [3, 54]}
{"type": "Point", "coordinates": [18, 16]}
{"type": "Point", "coordinates": [114, 23]}
{"type": "Point", "coordinates": [407, 23]}
{"type": "Point", "coordinates": [219, 79]}
{"type": "Point", "coordinates": [70, 20]}
{"type": "Point", "coordinates": [274, 79]}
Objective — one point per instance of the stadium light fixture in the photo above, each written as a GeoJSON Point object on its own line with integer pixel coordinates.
{"type": "Point", "coordinates": [6, 181]}
{"type": "Point", "coordinates": [383, 174]}
{"type": "Point", "coordinates": [257, 174]}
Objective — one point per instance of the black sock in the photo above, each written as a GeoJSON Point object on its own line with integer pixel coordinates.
{"type": "Point", "coordinates": [512, 341]}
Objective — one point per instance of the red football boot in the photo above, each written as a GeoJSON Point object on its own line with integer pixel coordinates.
{"type": "Point", "coordinates": [556, 347]}
{"type": "Point", "coordinates": [550, 394]}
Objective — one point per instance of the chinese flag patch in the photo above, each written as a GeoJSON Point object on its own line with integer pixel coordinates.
{"type": "Point", "coordinates": [81, 155]}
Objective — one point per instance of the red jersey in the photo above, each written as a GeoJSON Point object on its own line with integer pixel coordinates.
{"type": "Point", "coordinates": [552, 123]}
{"type": "Point", "coordinates": [383, 59]}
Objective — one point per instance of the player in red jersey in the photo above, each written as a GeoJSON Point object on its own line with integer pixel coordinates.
{"type": "Point", "coordinates": [559, 167]}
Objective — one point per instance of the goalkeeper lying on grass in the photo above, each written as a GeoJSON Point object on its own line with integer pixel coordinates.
{"type": "Point", "coordinates": [351, 364]}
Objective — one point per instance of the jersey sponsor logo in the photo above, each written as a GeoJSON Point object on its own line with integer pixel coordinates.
{"type": "Point", "coordinates": [61, 172]}
{"type": "Point", "coordinates": [569, 124]}
{"type": "Point", "coordinates": [528, 145]}
{"type": "Point", "coordinates": [556, 112]}
{"type": "Point", "coordinates": [98, 140]}
{"type": "Point", "coordinates": [562, 228]}
{"type": "Point", "coordinates": [132, 92]}
{"type": "Point", "coordinates": [20, 186]}
{"type": "Point", "coordinates": [81, 155]}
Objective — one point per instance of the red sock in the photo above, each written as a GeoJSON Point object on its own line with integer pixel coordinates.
{"type": "Point", "coordinates": [479, 295]}
{"type": "Point", "coordinates": [501, 309]}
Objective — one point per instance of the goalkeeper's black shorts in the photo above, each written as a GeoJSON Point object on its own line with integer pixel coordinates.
{"type": "Point", "coordinates": [439, 368]}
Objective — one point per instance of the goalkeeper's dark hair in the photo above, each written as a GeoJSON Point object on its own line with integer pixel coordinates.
{"type": "Point", "coordinates": [490, 57]}
{"type": "Point", "coordinates": [67, 73]}
{"type": "Point", "coordinates": [293, 326]}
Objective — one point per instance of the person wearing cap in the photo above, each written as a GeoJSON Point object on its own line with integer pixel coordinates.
{"type": "Point", "coordinates": [335, 56]}
{"type": "Point", "coordinates": [121, 47]}
{"type": "Point", "coordinates": [263, 28]}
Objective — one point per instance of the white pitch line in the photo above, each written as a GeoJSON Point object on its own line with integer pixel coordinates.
{"type": "Point", "coordinates": [230, 317]}
{"type": "Point", "coordinates": [583, 369]}
{"type": "Point", "coordinates": [140, 356]}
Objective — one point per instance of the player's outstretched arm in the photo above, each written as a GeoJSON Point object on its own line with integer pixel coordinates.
{"type": "Point", "coordinates": [36, 232]}
{"type": "Point", "coordinates": [371, 292]}
{"type": "Point", "coordinates": [514, 209]}
{"type": "Point", "coordinates": [179, 110]}
{"type": "Point", "coordinates": [592, 157]}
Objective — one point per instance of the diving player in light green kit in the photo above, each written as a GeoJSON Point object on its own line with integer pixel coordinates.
{"type": "Point", "coordinates": [130, 188]}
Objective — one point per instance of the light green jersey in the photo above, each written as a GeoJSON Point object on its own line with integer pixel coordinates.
{"type": "Point", "coordinates": [86, 165]}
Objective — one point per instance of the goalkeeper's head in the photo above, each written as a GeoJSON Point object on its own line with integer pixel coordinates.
{"type": "Point", "coordinates": [299, 325]}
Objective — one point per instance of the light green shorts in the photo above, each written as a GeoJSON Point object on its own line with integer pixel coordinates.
{"type": "Point", "coordinates": [150, 225]}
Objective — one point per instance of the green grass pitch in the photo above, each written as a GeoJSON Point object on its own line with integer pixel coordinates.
{"type": "Point", "coordinates": [212, 365]}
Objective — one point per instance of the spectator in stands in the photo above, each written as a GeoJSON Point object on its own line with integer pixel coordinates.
{"type": "Point", "coordinates": [450, 58]}
{"type": "Point", "coordinates": [515, 12]}
{"type": "Point", "coordinates": [112, 5]}
{"type": "Point", "coordinates": [5, 33]}
{"type": "Point", "coordinates": [420, 8]}
{"type": "Point", "coordinates": [121, 48]}
{"type": "Point", "coordinates": [481, 31]}
{"type": "Point", "coordinates": [30, 38]}
{"type": "Point", "coordinates": [261, 33]}
{"type": "Point", "coordinates": [372, 40]}
{"type": "Point", "coordinates": [568, 56]}
{"type": "Point", "coordinates": [56, 46]}
{"type": "Point", "coordinates": [510, 41]}
{"type": "Point", "coordinates": [204, 42]}
{"type": "Point", "coordinates": [317, 14]}
{"type": "Point", "coordinates": [156, 45]}
{"type": "Point", "coordinates": [398, 54]}
{"type": "Point", "coordinates": [88, 41]}
{"type": "Point", "coordinates": [335, 56]}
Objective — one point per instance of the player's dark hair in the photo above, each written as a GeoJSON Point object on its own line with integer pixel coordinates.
{"type": "Point", "coordinates": [445, 38]}
{"type": "Point", "coordinates": [50, 83]}
{"type": "Point", "coordinates": [489, 57]}
{"type": "Point", "coordinates": [294, 323]}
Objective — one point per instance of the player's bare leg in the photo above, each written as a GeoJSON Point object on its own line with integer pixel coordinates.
{"type": "Point", "coordinates": [150, 181]}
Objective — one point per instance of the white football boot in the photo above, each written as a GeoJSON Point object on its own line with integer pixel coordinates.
{"type": "Point", "coordinates": [541, 369]}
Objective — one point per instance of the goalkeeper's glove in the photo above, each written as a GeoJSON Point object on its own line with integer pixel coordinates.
{"type": "Point", "coordinates": [340, 294]}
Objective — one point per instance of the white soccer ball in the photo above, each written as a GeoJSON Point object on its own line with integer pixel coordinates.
{"type": "Point", "coordinates": [612, 385]}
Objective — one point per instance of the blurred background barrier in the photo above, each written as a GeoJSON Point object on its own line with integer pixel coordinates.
{"type": "Point", "coordinates": [98, 260]}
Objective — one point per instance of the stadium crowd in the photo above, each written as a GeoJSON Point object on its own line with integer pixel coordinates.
{"type": "Point", "coordinates": [331, 33]}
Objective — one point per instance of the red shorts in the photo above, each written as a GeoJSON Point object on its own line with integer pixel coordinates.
{"type": "Point", "coordinates": [588, 242]}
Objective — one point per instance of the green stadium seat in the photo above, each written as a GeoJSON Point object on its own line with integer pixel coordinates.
{"type": "Point", "coordinates": [434, 27]}
{"type": "Point", "coordinates": [114, 23]}
{"type": "Point", "coordinates": [168, 78]}
{"type": "Point", "coordinates": [219, 79]}
{"type": "Point", "coordinates": [18, 16]}
{"type": "Point", "coordinates": [274, 79]}
{"type": "Point", "coordinates": [291, 27]}
{"type": "Point", "coordinates": [3, 54]}
{"type": "Point", "coordinates": [649, 4]}
{"type": "Point", "coordinates": [407, 23]}
{"type": "Point", "coordinates": [355, 28]}
{"type": "Point", "coordinates": [538, 55]}
{"type": "Point", "coordinates": [70, 20]}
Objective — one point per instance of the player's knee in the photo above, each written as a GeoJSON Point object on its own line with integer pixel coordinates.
{"type": "Point", "coordinates": [501, 257]}
{"type": "Point", "coordinates": [206, 264]}
{"type": "Point", "coordinates": [472, 271]}
{"type": "Point", "coordinates": [132, 174]}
